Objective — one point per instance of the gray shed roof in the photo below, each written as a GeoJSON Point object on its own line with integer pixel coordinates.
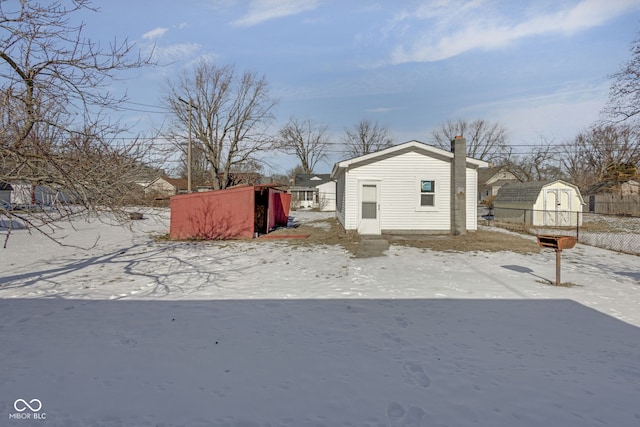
{"type": "Point", "coordinates": [311, 180]}
{"type": "Point", "coordinates": [521, 192]}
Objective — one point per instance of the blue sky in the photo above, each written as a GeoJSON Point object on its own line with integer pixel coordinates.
{"type": "Point", "coordinates": [540, 68]}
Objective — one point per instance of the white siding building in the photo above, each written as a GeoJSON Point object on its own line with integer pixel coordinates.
{"type": "Point", "coordinates": [403, 189]}
{"type": "Point", "coordinates": [313, 191]}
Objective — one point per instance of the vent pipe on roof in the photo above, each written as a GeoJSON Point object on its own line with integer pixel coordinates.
{"type": "Point", "coordinates": [459, 187]}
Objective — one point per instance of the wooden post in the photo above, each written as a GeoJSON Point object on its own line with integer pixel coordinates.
{"type": "Point", "coordinates": [191, 107]}
{"type": "Point", "coordinates": [558, 252]}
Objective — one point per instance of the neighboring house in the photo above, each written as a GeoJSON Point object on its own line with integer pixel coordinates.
{"type": "Point", "coordinates": [549, 203]}
{"type": "Point", "coordinates": [614, 197]}
{"type": "Point", "coordinates": [145, 175]}
{"type": "Point", "coordinates": [26, 194]}
{"type": "Point", "coordinates": [313, 191]}
{"type": "Point", "coordinates": [5, 192]}
{"type": "Point", "coordinates": [490, 180]}
{"type": "Point", "coordinates": [165, 187]}
{"type": "Point", "coordinates": [234, 213]}
{"type": "Point", "coordinates": [408, 188]}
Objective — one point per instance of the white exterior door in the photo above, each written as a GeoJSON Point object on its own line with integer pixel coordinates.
{"type": "Point", "coordinates": [369, 207]}
{"type": "Point", "coordinates": [557, 206]}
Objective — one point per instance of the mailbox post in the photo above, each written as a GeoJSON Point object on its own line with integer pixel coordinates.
{"type": "Point", "coordinates": [558, 243]}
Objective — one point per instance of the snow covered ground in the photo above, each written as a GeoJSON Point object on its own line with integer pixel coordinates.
{"type": "Point", "coordinates": [123, 330]}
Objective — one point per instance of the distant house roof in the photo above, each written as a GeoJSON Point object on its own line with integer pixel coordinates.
{"type": "Point", "coordinates": [501, 182]}
{"type": "Point", "coordinates": [311, 180]}
{"type": "Point", "coordinates": [485, 174]}
{"type": "Point", "coordinates": [608, 186]}
{"type": "Point", "coordinates": [178, 183]}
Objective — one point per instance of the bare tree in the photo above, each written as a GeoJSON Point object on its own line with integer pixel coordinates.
{"type": "Point", "coordinates": [366, 137]}
{"type": "Point", "coordinates": [306, 140]}
{"type": "Point", "coordinates": [624, 94]}
{"type": "Point", "coordinates": [604, 152]}
{"type": "Point", "coordinates": [230, 114]}
{"type": "Point", "coordinates": [249, 173]}
{"type": "Point", "coordinates": [200, 172]}
{"type": "Point", "coordinates": [540, 164]}
{"type": "Point", "coordinates": [485, 140]}
{"type": "Point", "coordinates": [54, 104]}
{"type": "Point", "coordinates": [575, 166]}
{"type": "Point", "coordinates": [288, 176]}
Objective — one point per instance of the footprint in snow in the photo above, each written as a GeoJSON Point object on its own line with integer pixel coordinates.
{"type": "Point", "coordinates": [126, 341]}
{"type": "Point", "coordinates": [414, 374]}
{"type": "Point", "coordinates": [399, 417]}
{"type": "Point", "coordinates": [401, 321]}
{"type": "Point", "coordinates": [395, 412]}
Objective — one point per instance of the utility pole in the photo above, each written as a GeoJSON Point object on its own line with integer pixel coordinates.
{"type": "Point", "coordinates": [191, 106]}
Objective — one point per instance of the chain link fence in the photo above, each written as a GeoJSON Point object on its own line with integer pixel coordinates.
{"type": "Point", "coordinates": [619, 233]}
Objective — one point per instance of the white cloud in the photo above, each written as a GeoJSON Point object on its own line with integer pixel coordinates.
{"type": "Point", "coordinates": [265, 10]}
{"type": "Point", "coordinates": [175, 52]}
{"type": "Point", "coordinates": [205, 57]}
{"type": "Point", "coordinates": [454, 27]}
{"type": "Point", "coordinates": [154, 34]}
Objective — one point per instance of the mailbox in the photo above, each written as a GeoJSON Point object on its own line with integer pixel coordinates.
{"type": "Point", "coordinates": [556, 242]}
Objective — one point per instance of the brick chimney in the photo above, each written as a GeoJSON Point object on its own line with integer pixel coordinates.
{"type": "Point", "coordinates": [459, 187]}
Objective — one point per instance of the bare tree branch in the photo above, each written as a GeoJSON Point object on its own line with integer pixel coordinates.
{"type": "Point", "coordinates": [624, 93]}
{"type": "Point", "coordinates": [305, 140]}
{"type": "Point", "coordinates": [55, 135]}
{"type": "Point", "coordinates": [366, 137]}
{"type": "Point", "coordinates": [540, 164]}
{"type": "Point", "coordinates": [604, 152]}
{"type": "Point", "coordinates": [485, 141]}
{"type": "Point", "coordinates": [230, 119]}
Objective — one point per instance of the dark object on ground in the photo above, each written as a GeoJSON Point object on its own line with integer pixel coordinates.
{"type": "Point", "coordinates": [136, 215]}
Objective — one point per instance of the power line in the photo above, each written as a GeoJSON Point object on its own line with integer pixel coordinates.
{"type": "Point", "coordinates": [158, 109]}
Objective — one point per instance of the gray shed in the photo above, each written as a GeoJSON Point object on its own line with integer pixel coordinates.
{"type": "Point", "coordinates": [539, 203]}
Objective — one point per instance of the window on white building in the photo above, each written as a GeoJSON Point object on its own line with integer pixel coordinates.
{"type": "Point", "coordinates": [427, 193]}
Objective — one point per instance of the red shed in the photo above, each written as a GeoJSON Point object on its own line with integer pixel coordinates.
{"type": "Point", "coordinates": [233, 213]}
